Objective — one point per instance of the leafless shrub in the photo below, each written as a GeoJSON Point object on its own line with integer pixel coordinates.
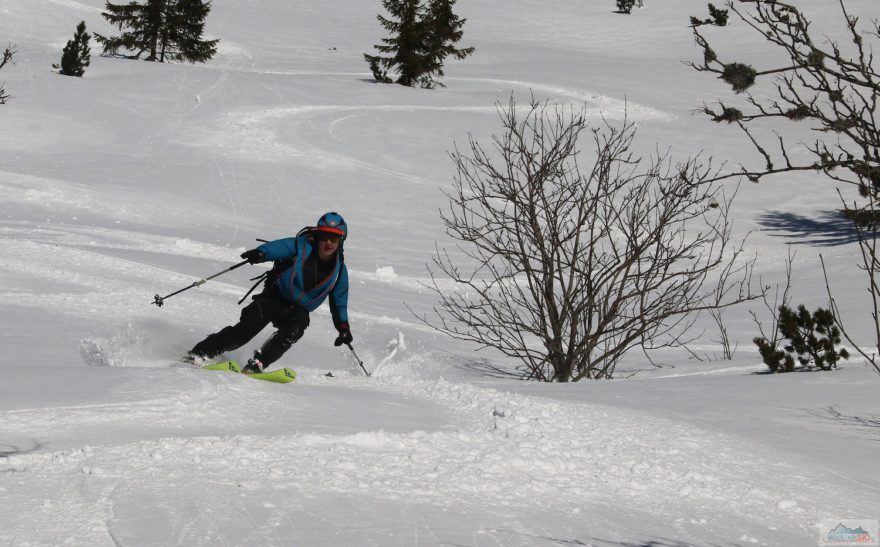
{"type": "Point", "coordinates": [770, 342]}
{"type": "Point", "coordinates": [730, 280]}
{"type": "Point", "coordinates": [569, 270]}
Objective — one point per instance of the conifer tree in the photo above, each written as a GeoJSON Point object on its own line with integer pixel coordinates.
{"type": "Point", "coordinates": [406, 46]}
{"type": "Point", "coordinates": [163, 29]}
{"type": "Point", "coordinates": [75, 57]}
{"type": "Point", "coordinates": [143, 23]}
{"type": "Point", "coordinates": [185, 25]}
{"type": "Point", "coordinates": [445, 30]}
{"type": "Point", "coordinates": [422, 37]}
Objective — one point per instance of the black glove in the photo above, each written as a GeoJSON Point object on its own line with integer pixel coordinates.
{"type": "Point", "coordinates": [344, 335]}
{"type": "Point", "coordinates": [254, 256]}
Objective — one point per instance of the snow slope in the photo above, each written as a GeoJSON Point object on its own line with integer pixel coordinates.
{"type": "Point", "coordinates": [141, 178]}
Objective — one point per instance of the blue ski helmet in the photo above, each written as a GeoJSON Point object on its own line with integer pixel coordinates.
{"type": "Point", "coordinates": [332, 223]}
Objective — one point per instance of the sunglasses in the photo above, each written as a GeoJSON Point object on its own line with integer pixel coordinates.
{"type": "Point", "coordinates": [330, 239]}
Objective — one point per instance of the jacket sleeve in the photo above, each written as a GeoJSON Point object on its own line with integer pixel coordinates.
{"type": "Point", "coordinates": [280, 249]}
{"type": "Point", "coordinates": [339, 299]}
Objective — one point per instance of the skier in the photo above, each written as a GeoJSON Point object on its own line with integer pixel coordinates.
{"type": "Point", "coordinates": [308, 268]}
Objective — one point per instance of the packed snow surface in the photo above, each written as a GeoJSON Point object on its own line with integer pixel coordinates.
{"type": "Point", "coordinates": [142, 178]}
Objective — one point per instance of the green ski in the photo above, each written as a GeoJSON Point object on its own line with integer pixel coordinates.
{"type": "Point", "coordinates": [280, 376]}
{"type": "Point", "coordinates": [231, 366]}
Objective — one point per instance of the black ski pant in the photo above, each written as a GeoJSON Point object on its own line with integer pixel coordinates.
{"type": "Point", "coordinates": [290, 320]}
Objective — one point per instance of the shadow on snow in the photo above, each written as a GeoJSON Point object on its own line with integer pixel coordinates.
{"type": "Point", "coordinates": [826, 228]}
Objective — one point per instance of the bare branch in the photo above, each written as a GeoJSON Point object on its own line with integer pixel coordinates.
{"type": "Point", "coordinates": [773, 337]}
{"type": "Point", "coordinates": [7, 57]}
{"type": "Point", "coordinates": [571, 269]}
{"type": "Point", "coordinates": [867, 239]}
{"type": "Point", "coordinates": [837, 94]}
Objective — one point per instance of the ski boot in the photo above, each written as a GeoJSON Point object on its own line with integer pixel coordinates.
{"type": "Point", "coordinates": [253, 366]}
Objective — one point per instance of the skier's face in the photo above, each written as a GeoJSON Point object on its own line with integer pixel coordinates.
{"type": "Point", "coordinates": [327, 246]}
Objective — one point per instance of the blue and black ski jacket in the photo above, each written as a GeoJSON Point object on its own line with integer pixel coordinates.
{"type": "Point", "coordinates": [290, 283]}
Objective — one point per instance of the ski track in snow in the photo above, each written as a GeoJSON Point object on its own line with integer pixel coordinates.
{"type": "Point", "coordinates": [603, 105]}
{"type": "Point", "coordinates": [251, 133]}
{"type": "Point", "coordinates": [75, 5]}
{"type": "Point", "coordinates": [668, 469]}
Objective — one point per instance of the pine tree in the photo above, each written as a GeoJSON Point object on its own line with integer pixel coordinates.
{"type": "Point", "coordinates": [717, 17]}
{"type": "Point", "coordinates": [406, 46]}
{"type": "Point", "coordinates": [813, 337]}
{"type": "Point", "coordinates": [444, 31]}
{"type": "Point", "coordinates": [164, 29]}
{"type": "Point", "coordinates": [421, 40]}
{"type": "Point", "coordinates": [625, 6]}
{"type": "Point", "coordinates": [143, 21]}
{"type": "Point", "coordinates": [75, 57]}
{"type": "Point", "coordinates": [186, 25]}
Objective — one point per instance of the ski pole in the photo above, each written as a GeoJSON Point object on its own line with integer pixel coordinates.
{"type": "Point", "coordinates": [361, 363]}
{"type": "Point", "coordinates": [159, 300]}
